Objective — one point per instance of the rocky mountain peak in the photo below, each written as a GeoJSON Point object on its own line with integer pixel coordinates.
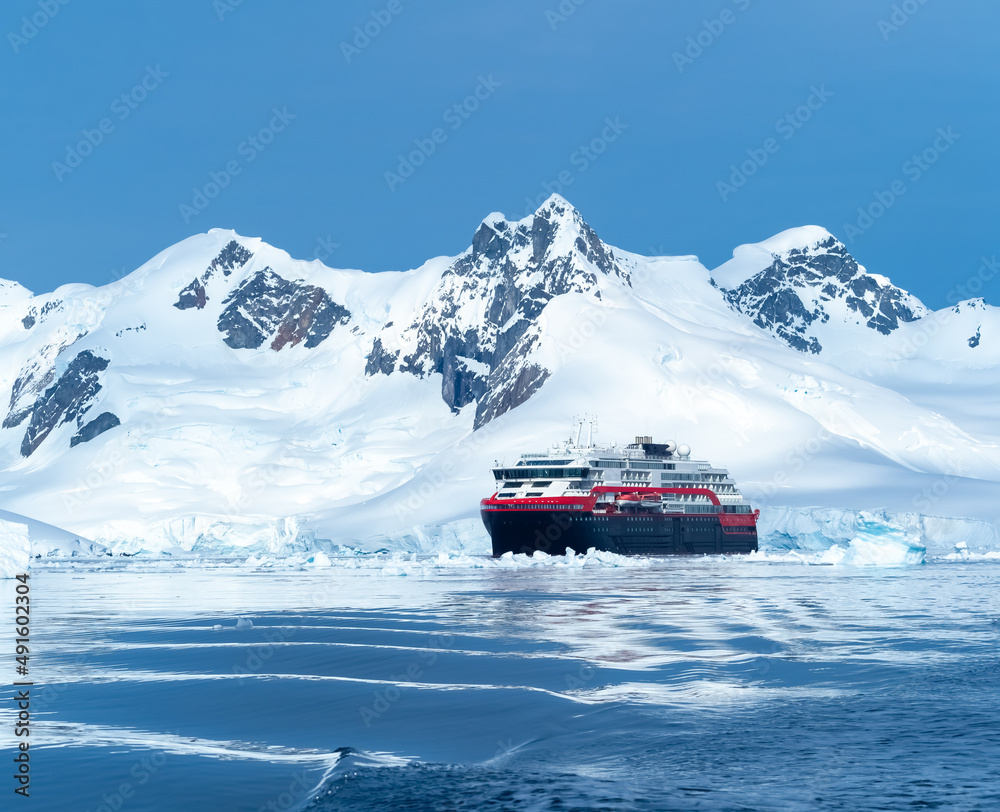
{"type": "Point", "coordinates": [477, 327]}
{"type": "Point", "coordinates": [804, 278]}
{"type": "Point", "coordinates": [556, 231]}
{"type": "Point", "coordinates": [264, 306]}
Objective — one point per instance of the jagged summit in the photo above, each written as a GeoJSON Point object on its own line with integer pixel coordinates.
{"type": "Point", "coordinates": [803, 284]}
{"type": "Point", "coordinates": [478, 328]}
{"type": "Point", "coordinates": [556, 230]}
{"type": "Point", "coordinates": [749, 260]}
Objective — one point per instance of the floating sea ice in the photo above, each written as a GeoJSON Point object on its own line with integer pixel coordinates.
{"type": "Point", "coordinates": [871, 550]}
{"type": "Point", "coordinates": [319, 559]}
{"type": "Point", "coordinates": [875, 544]}
{"type": "Point", "coordinates": [15, 549]}
{"type": "Point", "coordinates": [879, 546]}
{"type": "Point", "coordinates": [244, 623]}
{"type": "Point", "coordinates": [217, 627]}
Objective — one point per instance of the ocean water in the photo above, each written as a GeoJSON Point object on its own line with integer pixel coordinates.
{"type": "Point", "coordinates": [457, 683]}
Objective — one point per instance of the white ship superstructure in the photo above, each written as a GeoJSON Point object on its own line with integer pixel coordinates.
{"type": "Point", "coordinates": [580, 482]}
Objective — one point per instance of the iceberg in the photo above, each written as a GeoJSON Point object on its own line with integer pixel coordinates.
{"type": "Point", "coordinates": [15, 548]}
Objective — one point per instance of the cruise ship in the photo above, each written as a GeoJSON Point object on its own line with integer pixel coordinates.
{"type": "Point", "coordinates": [644, 498]}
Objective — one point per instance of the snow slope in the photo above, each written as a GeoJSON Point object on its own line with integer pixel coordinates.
{"type": "Point", "coordinates": [227, 396]}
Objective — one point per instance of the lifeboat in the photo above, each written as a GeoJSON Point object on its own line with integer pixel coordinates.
{"type": "Point", "coordinates": [628, 500]}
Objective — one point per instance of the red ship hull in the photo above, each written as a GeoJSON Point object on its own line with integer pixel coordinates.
{"type": "Point", "coordinates": [555, 525]}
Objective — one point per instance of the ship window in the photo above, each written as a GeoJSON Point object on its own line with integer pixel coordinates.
{"type": "Point", "coordinates": [508, 485]}
{"type": "Point", "coordinates": [540, 473]}
{"type": "Point", "coordinates": [542, 483]}
{"type": "Point", "coordinates": [534, 493]}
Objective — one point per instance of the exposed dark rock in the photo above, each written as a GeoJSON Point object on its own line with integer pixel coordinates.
{"type": "Point", "coordinates": [773, 298]}
{"type": "Point", "coordinates": [31, 381]}
{"type": "Point", "coordinates": [380, 359]}
{"type": "Point", "coordinates": [15, 418]}
{"type": "Point", "coordinates": [511, 383]}
{"type": "Point", "coordinates": [192, 296]}
{"type": "Point", "coordinates": [230, 258]}
{"type": "Point", "coordinates": [974, 340]}
{"type": "Point", "coordinates": [33, 317]}
{"type": "Point", "coordinates": [510, 274]}
{"type": "Point", "coordinates": [99, 425]}
{"type": "Point", "coordinates": [528, 381]}
{"type": "Point", "coordinates": [67, 399]}
{"type": "Point", "coordinates": [267, 306]}
{"type": "Point", "coordinates": [460, 383]}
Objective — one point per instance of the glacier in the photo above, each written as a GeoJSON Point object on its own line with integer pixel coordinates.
{"type": "Point", "coordinates": [807, 535]}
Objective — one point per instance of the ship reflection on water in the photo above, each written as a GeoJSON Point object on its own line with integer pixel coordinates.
{"type": "Point", "coordinates": [596, 682]}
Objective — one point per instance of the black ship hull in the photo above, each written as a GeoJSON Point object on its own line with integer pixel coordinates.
{"type": "Point", "coordinates": [555, 531]}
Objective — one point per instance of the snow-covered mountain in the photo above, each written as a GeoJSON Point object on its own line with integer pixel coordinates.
{"type": "Point", "coordinates": [796, 282]}
{"type": "Point", "coordinates": [480, 322]}
{"type": "Point", "coordinates": [226, 394]}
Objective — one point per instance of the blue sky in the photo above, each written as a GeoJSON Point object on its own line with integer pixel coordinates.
{"type": "Point", "coordinates": [121, 115]}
